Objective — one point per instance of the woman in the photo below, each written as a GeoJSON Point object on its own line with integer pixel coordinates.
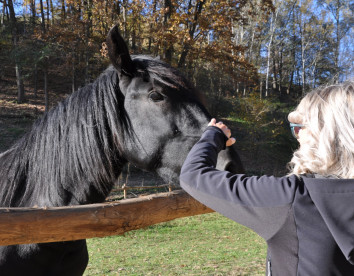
{"type": "Point", "coordinates": [306, 217]}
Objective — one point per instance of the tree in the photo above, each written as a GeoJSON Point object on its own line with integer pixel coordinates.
{"type": "Point", "coordinates": [227, 47]}
{"type": "Point", "coordinates": [15, 40]}
{"type": "Point", "coordinates": [342, 18]}
{"type": "Point", "coordinates": [273, 22]}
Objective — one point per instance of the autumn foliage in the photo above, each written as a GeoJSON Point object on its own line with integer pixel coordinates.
{"type": "Point", "coordinates": [226, 47]}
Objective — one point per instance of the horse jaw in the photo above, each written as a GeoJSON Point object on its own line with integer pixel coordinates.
{"type": "Point", "coordinates": [228, 160]}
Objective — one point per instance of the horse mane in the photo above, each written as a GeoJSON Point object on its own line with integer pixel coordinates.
{"type": "Point", "coordinates": [72, 155]}
{"type": "Point", "coordinates": [69, 152]}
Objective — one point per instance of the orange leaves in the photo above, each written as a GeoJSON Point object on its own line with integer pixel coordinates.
{"type": "Point", "coordinates": [104, 50]}
{"type": "Point", "coordinates": [185, 33]}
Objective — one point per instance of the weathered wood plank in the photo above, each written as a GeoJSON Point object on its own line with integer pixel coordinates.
{"type": "Point", "coordinates": [38, 225]}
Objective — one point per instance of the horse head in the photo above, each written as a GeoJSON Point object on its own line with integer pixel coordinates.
{"type": "Point", "coordinates": [164, 113]}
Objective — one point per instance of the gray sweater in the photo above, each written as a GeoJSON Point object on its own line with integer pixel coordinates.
{"type": "Point", "coordinates": [307, 222]}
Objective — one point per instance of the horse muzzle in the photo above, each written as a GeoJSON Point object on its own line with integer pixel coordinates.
{"type": "Point", "coordinates": [229, 160]}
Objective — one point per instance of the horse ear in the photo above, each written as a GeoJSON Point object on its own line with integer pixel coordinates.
{"type": "Point", "coordinates": [118, 53]}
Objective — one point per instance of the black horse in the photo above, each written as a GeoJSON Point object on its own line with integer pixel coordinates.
{"type": "Point", "coordinates": [140, 110]}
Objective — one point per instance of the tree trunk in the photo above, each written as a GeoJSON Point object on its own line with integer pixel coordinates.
{"type": "Point", "coordinates": [314, 75]}
{"type": "Point", "coordinates": [302, 66]}
{"type": "Point", "coordinates": [48, 9]}
{"type": "Point", "coordinates": [133, 33]}
{"type": "Point", "coordinates": [151, 26]}
{"type": "Point", "coordinates": [192, 28]}
{"type": "Point", "coordinates": [33, 22]}
{"type": "Point", "coordinates": [125, 30]}
{"type": "Point", "coordinates": [33, 11]}
{"type": "Point", "coordinates": [303, 54]}
{"type": "Point", "coordinates": [63, 12]}
{"type": "Point", "coordinates": [273, 19]}
{"type": "Point", "coordinates": [19, 80]}
{"type": "Point", "coordinates": [293, 54]}
{"type": "Point", "coordinates": [42, 16]}
{"type": "Point", "coordinates": [7, 12]}
{"type": "Point", "coordinates": [88, 25]}
{"type": "Point", "coordinates": [45, 60]}
{"type": "Point", "coordinates": [337, 45]}
{"type": "Point", "coordinates": [20, 86]}
{"type": "Point", "coordinates": [168, 44]}
{"type": "Point", "coordinates": [275, 71]}
{"type": "Point", "coordinates": [3, 14]}
{"type": "Point", "coordinates": [35, 80]}
{"type": "Point", "coordinates": [46, 94]}
{"type": "Point", "coordinates": [73, 77]}
{"type": "Point", "coordinates": [250, 55]}
{"type": "Point", "coordinates": [280, 69]}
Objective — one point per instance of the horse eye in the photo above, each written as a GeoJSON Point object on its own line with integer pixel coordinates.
{"type": "Point", "coordinates": [156, 97]}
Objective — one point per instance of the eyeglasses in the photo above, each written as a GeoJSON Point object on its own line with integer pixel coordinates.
{"type": "Point", "coordinates": [295, 129]}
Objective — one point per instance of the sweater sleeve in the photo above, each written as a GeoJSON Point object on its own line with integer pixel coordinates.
{"type": "Point", "coordinates": [260, 203]}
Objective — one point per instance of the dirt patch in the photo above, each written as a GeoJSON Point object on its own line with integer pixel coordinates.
{"type": "Point", "coordinates": [16, 119]}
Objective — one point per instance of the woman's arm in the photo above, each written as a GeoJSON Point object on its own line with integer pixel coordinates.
{"type": "Point", "coordinates": [260, 203]}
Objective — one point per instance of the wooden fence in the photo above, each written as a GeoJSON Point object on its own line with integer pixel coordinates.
{"type": "Point", "coordinates": [125, 188]}
{"type": "Point", "coordinates": [38, 225]}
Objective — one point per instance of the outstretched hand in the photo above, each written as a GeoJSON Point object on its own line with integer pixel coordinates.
{"type": "Point", "coordinates": [225, 129]}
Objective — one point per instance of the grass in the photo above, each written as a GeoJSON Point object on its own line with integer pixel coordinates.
{"type": "Point", "coordinates": [202, 245]}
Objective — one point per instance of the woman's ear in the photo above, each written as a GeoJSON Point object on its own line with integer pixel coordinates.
{"type": "Point", "coordinates": [118, 53]}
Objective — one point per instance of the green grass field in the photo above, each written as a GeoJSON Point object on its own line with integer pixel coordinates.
{"type": "Point", "coordinates": [201, 245]}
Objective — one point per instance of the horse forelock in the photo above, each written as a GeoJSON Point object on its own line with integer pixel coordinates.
{"type": "Point", "coordinates": [164, 74]}
{"type": "Point", "coordinates": [72, 154]}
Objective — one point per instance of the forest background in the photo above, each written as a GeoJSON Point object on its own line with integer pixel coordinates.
{"type": "Point", "coordinates": [252, 59]}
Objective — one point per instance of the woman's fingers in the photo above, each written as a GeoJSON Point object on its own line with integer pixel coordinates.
{"type": "Point", "coordinates": [230, 142]}
{"type": "Point", "coordinates": [225, 129]}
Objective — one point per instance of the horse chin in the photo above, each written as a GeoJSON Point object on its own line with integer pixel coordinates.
{"type": "Point", "coordinates": [170, 176]}
{"type": "Point", "coordinates": [228, 160]}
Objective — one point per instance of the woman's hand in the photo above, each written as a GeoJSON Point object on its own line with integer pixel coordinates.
{"type": "Point", "coordinates": [225, 129]}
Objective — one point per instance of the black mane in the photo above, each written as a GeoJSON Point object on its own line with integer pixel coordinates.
{"type": "Point", "coordinates": [72, 155]}
{"type": "Point", "coordinates": [68, 152]}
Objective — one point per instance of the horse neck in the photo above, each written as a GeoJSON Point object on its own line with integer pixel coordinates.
{"type": "Point", "coordinates": [71, 155]}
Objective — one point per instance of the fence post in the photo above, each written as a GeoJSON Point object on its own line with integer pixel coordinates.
{"type": "Point", "coordinates": [124, 190]}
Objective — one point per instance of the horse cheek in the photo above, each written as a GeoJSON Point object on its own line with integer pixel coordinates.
{"type": "Point", "coordinates": [174, 154]}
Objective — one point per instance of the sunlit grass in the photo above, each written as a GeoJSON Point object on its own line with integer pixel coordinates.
{"type": "Point", "coordinates": [201, 245]}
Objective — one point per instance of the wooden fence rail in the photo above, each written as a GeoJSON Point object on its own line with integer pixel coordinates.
{"type": "Point", "coordinates": [126, 188]}
{"type": "Point", "coordinates": [38, 225]}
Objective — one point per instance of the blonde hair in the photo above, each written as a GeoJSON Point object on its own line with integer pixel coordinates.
{"type": "Point", "coordinates": [328, 116]}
